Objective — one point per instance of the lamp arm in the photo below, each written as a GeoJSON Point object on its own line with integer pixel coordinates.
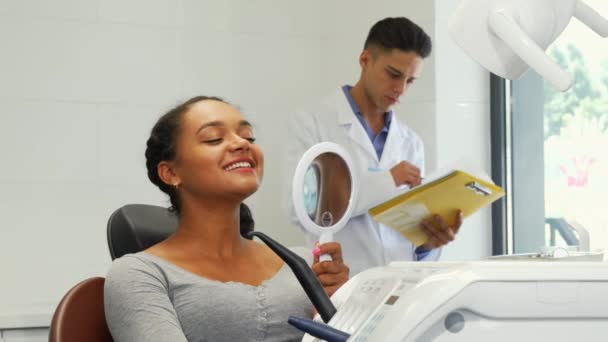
{"type": "Point", "coordinates": [591, 18]}
{"type": "Point", "coordinates": [509, 31]}
{"type": "Point", "coordinates": [584, 242]}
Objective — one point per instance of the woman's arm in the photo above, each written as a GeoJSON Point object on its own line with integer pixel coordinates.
{"type": "Point", "coordinates": [137, 304]}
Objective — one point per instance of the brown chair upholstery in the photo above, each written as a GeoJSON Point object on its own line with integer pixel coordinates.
{"type": "Point", "coordinates": [80, 315]}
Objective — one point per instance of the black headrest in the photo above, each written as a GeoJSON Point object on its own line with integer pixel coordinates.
{"type": "Point", "coordinates": [135, 227]}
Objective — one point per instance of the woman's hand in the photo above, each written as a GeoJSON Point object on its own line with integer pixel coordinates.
{"type": "Point", "coordinates": [331, 274]}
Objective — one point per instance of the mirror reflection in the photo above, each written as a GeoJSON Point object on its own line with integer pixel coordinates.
{"type": "Point", "coordinates": [310, 191]}
{"type": "Point", "coordinates": [326, 189]}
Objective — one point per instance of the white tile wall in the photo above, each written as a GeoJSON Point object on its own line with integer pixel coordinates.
{"type": "Point", "coordinates": [279, 17]}
{"type": "Point", "coordinates": [167, 13]}
{"type": "Point", "coordinates": [120, 133]}
{"type": "Point", "coordinates": [48, 60]}
{"type": "Point", "coordinates": [208, 16]}
{"type": "Point", "coordinates": [283, 71]}
{"type": "Point", "coordinates": [40, 144]}
{"type": "Point", "coordinates": [36, 10]}
{"type": "Point", "coordinates": [206, 61]}
{"type": "Point", "coordinates": [456, 121]}
{"type": "Point", "coordinates": [354, 18]}
{"type": "Point", "coordinates": [462, 127]}
{"type": "Point", "coordinates": [339, 62]}
{"type": "Point", "coordinates": [136, 64]}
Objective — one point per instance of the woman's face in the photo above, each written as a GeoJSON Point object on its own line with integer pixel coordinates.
{"type": "Point", "coordinates": [216, 153]}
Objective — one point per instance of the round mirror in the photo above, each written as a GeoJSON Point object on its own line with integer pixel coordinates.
{"type": "Point", "coordinates": [324, 190]}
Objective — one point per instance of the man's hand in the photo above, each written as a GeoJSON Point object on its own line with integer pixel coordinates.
{"type": "Point", "coordinates": [405, 173]}
{"type": "Point", "coordinates": [439, 232]}
{"type": "Point", "coordinates": [332, 274]}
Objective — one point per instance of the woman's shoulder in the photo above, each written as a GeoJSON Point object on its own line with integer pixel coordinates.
{"type": "Point", "coordinates": [132, 261]}
{"type": "Point", "coordinates": [136, 267]}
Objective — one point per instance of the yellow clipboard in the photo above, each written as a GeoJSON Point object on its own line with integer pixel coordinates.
{"type": "Point", "coordinates": [444, 196]}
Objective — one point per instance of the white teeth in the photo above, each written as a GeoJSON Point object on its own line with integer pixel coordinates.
{"type": "Point", "coordinates": [237, 165]}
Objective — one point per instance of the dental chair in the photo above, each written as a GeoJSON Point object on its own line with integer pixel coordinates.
{"type": "Point", "coordinates": [80, 315]}
{"type": "Point", "coordinates": [135, 227]}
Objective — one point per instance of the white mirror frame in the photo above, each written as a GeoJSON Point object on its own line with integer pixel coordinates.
{"type": "Point", "coordinates": [298, 184]}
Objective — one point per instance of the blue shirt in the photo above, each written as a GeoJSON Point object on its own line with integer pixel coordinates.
{"type": "Point", "coordinates": [378, 141]}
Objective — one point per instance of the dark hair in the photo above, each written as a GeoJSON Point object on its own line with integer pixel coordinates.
{"type": "Point", "coordinates": [162, 146]}
{"type": "Point", "coordinates": [399, 33]}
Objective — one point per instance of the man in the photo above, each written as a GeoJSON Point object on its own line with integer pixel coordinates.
{"type": "Point", "coordinates": [387, 155]}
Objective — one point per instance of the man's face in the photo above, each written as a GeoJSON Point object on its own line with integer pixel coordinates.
{"type": "Point", "coordinates": [386, 75]}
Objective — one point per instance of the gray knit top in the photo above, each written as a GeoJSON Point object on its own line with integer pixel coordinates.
{"type": "Point", "coordinates": [150, 299]}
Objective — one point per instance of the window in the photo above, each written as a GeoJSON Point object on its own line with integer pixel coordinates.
{"type": "Point", "coordinates": [550, 149]}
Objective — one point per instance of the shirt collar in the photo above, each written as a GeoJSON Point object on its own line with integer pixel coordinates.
{"type": "Point", "coordinates": [388, 117]}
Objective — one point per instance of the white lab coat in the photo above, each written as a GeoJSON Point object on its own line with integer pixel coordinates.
{"type": "Point", "coordinates": [365, 242]}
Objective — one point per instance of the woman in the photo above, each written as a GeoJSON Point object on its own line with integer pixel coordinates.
{"type": "Point", "coordinates": [206, 282]}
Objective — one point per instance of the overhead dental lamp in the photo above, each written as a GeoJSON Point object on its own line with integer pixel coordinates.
{"type": "Point", "coordinates": [508, 37]}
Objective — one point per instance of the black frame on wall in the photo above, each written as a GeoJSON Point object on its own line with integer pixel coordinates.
{"type": "Point", "coordinates": [498, 127]}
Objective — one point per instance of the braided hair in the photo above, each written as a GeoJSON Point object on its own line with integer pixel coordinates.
{"type": "Point", "coordinates": [162, 146]}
